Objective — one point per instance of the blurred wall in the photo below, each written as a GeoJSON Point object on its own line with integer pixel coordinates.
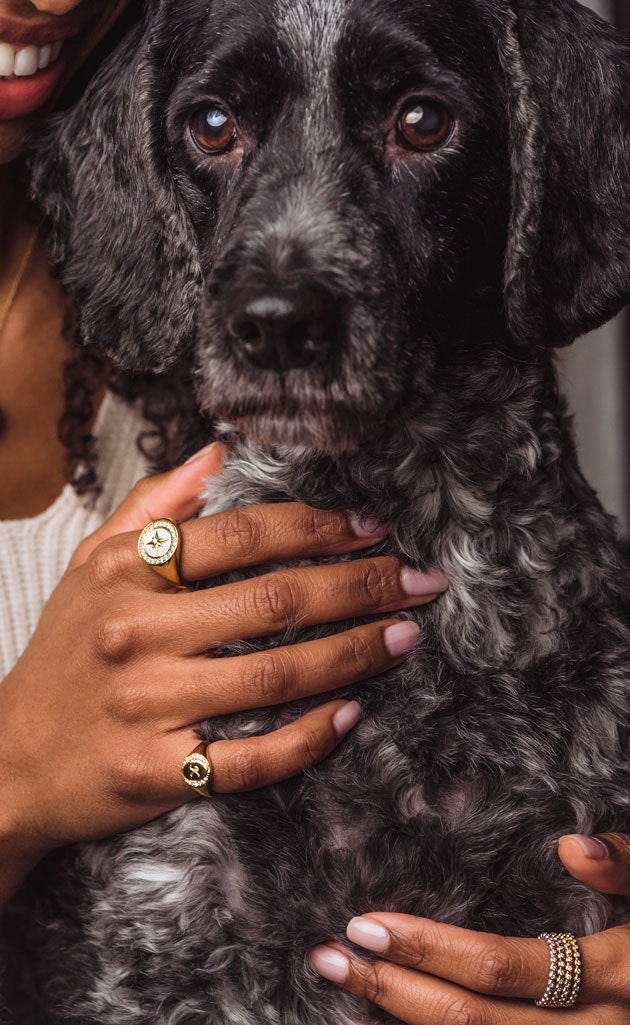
{"type": "Point", "coordinates": [595, 374]}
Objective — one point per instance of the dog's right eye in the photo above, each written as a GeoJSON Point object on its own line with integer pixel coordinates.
{"type": "Point", "coordinates": [425, 125]}
{"type": "Point", "coordinates": [213, 130]}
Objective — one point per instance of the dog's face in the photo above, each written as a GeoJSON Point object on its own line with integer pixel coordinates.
{"type": "Point", "coordinates": [345, 167]}
{"type": "Point", "coordinates": [332, 198]}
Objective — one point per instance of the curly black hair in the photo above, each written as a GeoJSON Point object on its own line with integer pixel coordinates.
{"type": "Point", "coordinates": [175, 427]}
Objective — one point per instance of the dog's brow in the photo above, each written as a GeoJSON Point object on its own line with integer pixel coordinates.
{"type": "Point", "coordinates": [312, 30]}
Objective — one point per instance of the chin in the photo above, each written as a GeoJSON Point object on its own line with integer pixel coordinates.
{"type": "Point", "coordinates": [319, 430]}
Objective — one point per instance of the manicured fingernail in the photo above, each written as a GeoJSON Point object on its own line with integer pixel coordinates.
{"type": "Point", "coordinates": [369, 934]}
{"type": "Point", "coordinates": [401, 638]}
{"type": "Point", "coordinates": [418, 585]}
{"type": "Point", "coordinates": [330, 963]}
{"type": "Point", "coordinates": [200, 455]}
{"type": "Point", "coordinates": [366, 528]}
{"type": "Point", "coordinates": [590, 846]}
{"type": "Point", "coordinates": [346, 718]}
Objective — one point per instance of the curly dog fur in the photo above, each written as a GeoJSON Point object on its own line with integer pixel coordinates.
{"type": "Point", "coordinates": [432, 407]}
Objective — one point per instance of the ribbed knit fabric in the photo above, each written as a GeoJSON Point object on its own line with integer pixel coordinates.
{"type": "Point", "coordinates": [39, 549]}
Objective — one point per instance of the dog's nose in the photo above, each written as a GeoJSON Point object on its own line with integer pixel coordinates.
{"type": "Point", "coordinates": [283, 330]}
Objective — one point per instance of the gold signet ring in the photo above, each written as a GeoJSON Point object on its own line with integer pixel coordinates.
{"type": "Point", "coordinates": [197, 771]}
{"type": "Point", "coordinates": [159, 546]}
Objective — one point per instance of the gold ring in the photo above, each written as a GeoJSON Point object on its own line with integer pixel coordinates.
{"type": "Point", "coordinates": [197, 771]}
{"type": "Point", "coordinates": [159, 546]}
{"type": "Point", "coordinates": [565, 970]}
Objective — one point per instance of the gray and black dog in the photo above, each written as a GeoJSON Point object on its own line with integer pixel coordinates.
{"type": "Point", "coordinates": [371, 221]}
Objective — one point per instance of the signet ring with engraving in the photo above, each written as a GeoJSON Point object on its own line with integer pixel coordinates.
{"type": "Point", "coordinates": [197, 771]}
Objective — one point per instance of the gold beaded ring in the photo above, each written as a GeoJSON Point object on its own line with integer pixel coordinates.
{"type": "Point", "coordinates": [565, 970]}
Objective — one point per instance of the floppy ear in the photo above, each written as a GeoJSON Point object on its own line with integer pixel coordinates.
{"type": "Point", "coordinates": [120, 235]}
{"type": "Point", "coordinates": [568, 83]}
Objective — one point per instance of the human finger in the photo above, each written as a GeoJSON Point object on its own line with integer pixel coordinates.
{"type": "Point", "coordinates": [255, 762]}
{"type": "Point", "coordinates": [208, 688]}
{"type": "Point", "coordinates": [258, 534]}
{"type": "Point", "coordinates": [488, 964]}
{"type": "Point", "coordinates": [303, 596]}
{"type": "Point", "coordinates": [414, 998]}
{"type": "Point", "coordinates": [176, 495]}
{"type": "Point", "coordinates": [492, 965]}
{"type": "Point", "coordinates": [601, 861]}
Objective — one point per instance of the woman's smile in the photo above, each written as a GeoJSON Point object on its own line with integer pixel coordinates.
{"type": "Point", "coordinates": [36, 51]}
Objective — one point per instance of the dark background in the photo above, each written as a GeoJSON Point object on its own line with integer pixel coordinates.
{"type": "Point", "coordinates": [622, 14]}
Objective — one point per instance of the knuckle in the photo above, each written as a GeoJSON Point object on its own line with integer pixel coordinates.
{"type": "Point", "coordinates": [244, 769]}
{"type": "Point", "coordinates": [415, 949]}
{"type": "Point", "coordinates": [498, 973]}
{"type": "Point", "coordinates": [310, 747]}
{"type": "Point", "coordinates": [360, 651]}
{"type": "Point", "coordinates": [116, 638]}
{"type": "Point", "coordinates": [380, 581]}
{"type": "Point", "coordinates": [239, 532]}
{"type": "Point", "coordinates": [107, 567]}
{"type": "Point", "coordinates": [460, 1011]}
{"type": "Point", "coordinates": [270, 679]}
{"type": "Point", "coordinates": [372, 982]}
{"type": "Point", "coordinates": [320, 526]}
{"type": "Point", "coordinates": [274, 600]}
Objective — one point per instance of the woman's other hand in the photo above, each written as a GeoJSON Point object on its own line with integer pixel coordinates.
{"type": "Point", "coordinates": [103, 706]}
{"type": "Point", "coordinates": [432, 974]}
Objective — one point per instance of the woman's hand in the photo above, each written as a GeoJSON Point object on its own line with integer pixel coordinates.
{"type": "Point", "coordinates": [435, 974]}
{"type": "Point", "coordinates": [102, 708]}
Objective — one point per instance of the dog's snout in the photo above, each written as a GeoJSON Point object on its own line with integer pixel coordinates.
{"type": "Point", "coordinates": [283, 330]}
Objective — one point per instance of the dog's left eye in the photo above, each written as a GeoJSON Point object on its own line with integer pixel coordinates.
{"type": "Point", "coordinates": [425, 125]}
{"type": "Point", "coordinates": [213, 130]}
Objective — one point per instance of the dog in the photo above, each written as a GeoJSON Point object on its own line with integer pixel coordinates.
{"type": "Point", "coordinates": [371, 223]}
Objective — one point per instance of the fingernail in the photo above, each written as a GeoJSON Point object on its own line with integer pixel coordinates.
{"type": "Point", "coordinates": [366, 528]}
{"type": "Point", "coordinates": [401, 638]}
{"type": "Point", "coordinates": [200, 455]}
{"type": "Point", "coordinates": [590, 846]}
{"type": "Point", "coordinates": [369, 934]}
{"type": "Point", "coordinates": [417, 584]}
{"type": "Point", "coordinates": [330, 963]}
{"type": "Point", "coordinates": [346, 718]}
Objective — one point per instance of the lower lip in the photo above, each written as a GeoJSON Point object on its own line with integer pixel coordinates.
{"type": "Point", "coordinates": [20, 97]}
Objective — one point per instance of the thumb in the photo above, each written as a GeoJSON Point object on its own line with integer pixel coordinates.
{"type": "Point", "coordinates": [176, 495]}
{"type": "Point", "coordinates": [602, 861]}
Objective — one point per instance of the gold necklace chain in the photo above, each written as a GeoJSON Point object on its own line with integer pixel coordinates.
{"type": "Point", "coordinates": [17, 281]}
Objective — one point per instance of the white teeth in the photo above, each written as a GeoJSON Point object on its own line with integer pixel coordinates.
{"type": "Point", "coordinates": [44, 56]}
{"type": "Point", "coordinates": [24, 61]}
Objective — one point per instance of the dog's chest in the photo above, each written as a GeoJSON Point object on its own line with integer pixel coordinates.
{"type": "Point", "coordinates": [442, 802]}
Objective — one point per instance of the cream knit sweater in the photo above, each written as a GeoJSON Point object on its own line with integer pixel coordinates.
{"type": "Point", "coordinates": [39, 549]}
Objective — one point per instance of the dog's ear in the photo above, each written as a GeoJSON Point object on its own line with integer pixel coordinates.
{"type": "Point", "coordinates": [120, 236]}
{"type": "Point", "coordinates": [568, 84]}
